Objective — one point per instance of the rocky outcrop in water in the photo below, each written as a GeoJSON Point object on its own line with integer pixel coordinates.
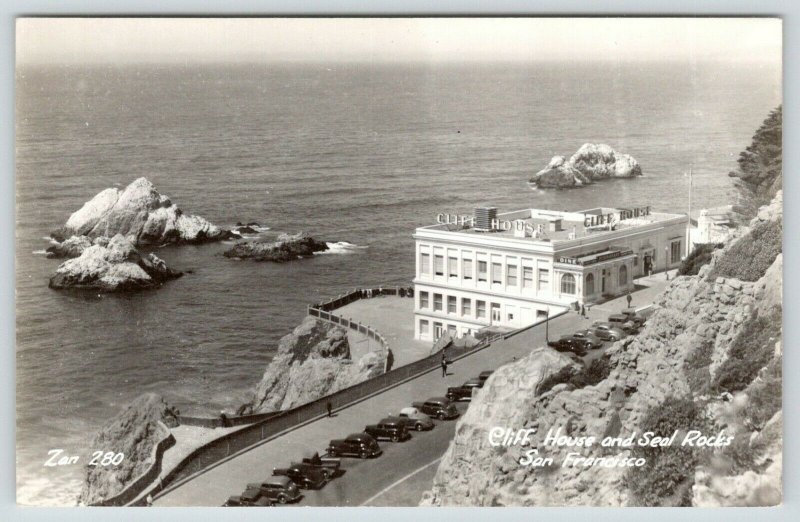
{"type": "Point", "coordinates": [135, 432]}
{"type": "Point", "coordinates": [709, 358]}
{"type": "Point", "coordinates": [112, 266]}
{"type": "Point", "coordinates": [288, 247]}
{"type": "Point", "coordinates": [312, 361]}
{"type": "Point", "coordinates": [142, 215]}
{"type": "Point", "coordinates": [589, 164]}
{"type": "Point", "coordinates": [74, 246]}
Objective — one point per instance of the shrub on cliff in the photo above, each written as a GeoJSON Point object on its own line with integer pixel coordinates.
{"type": "Point", "coordinates": [667, 477]}
{"type": "Point", "coordinates": [696, 367]}
{"type": "Point", "coordinates": [698, 258]}
{"type": "Point", "coordinates": [750, 256]}
{"type": "Point", "coordinates": [594, 373]}
{"type": "Point", "coordinates": [760, 166]}
{"type": "Point", "coordinates": [752, 349]}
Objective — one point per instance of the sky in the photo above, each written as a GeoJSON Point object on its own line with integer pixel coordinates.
{"type": "Point", "coordinates": [101, 40]}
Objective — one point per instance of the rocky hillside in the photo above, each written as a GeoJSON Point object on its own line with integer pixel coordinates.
{"type": "Point", "coordinates": [592, 162]}
{"type": "Point", "coordinates": [134, 432]}
{"type": "Point", "coordinates": [709, 359]}
{"type": "Point", "coordinates": [312, 361]}
{"type": "Point", "coordinates": [112, 265]}
{"type": "Point", "coordinates": [142, 215]}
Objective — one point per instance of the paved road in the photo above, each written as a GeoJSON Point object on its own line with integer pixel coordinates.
{"type": "Point", "coordinates": [405, 470]}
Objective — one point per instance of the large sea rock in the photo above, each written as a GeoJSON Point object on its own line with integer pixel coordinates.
{"type": "Point", "coordinates": [111, 266]}
{"type": "Point", "coordinates": [592, 162]}
{"type": "Point", "coordinates": [286, 248]}
{"type": "Point", "coordinates": [684, 347]}
{"type": "Point", "coordinates": [312, 361]}
{"type": "Point", "coordinates": [134, 432]}
{"type": "Point", "coordinates": [141, 214]}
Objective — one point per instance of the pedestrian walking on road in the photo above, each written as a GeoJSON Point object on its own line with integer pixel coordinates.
{"type": "Point", "coordinates": [444, 366]}
{"type": "Point", "coordinates": [149, 500]}
{"type": "Point", "coordinates": [329, 407]}
{"type": "Point", "coordinates": [629, 298]}
{"type": "Point", "coordinates": [583, 310]}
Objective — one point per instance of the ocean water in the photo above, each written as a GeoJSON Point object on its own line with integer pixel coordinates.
{"type": "Point", "coordinates": [356, 153]}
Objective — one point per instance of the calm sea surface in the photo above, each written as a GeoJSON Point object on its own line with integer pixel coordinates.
{"type": "Point", "coordinates": [356, 153]}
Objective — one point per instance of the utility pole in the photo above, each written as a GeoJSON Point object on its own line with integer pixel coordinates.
{"type": "Point", "coordinates": [547, 326]}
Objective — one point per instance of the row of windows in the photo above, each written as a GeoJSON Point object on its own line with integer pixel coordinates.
{"type": "Point", "coordinates": [439, 329]}
{"type": "Point", "coordinates": [452, 305]}
{"type": "Point", "coordinates": [512, 271]}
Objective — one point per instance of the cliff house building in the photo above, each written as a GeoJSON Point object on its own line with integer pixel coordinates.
{"type": "Point", "coordinates": [512, 269]}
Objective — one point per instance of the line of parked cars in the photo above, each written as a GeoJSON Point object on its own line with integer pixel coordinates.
{"type": "Point", "coordinates": [314, 471]}
{"type": "Point", "coordinates": [627, 322]}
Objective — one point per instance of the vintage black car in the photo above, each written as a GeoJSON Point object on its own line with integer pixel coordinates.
{"type": "Point", "coordinates": [359, 445]}
{"type": "Point", "coordinates": [623, 322]}
{"type": "Point", "coordinates": [440, 407]}
{"type": "Point", "coordinates": [464, 392]}
{"type": "Point", "coordinates": [328, 466]}
{"type": "Point", "coordinates": [485, 375]}
{"type": "Point", "coordinates": [278, 489]}
{"type": "Point", "coordinates": [250, 497]}
{"type": "Point", "coordinates": [634, 316]}
{"type": "Point", "coordinates": [304, 476]}
{"type": "Point", "coordinates": [390, 428]}
{"type": "Point", "coordinates": [570, 344]}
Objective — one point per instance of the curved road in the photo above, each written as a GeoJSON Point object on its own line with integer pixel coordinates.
{"type": "Point", "coordinates": [405, 470]}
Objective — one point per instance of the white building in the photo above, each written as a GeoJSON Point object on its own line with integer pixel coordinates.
{"type": "Point", "coordinates": [509, 269]}
{"type": "Point", "coordinates": [714, 225]}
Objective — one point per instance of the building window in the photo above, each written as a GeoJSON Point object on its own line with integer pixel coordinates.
{"type": "Point", "coordinates": [589, 284]}
{"type": "Point", "coordinates": [468, 269]}
{"type": "Point", "coordinates": [510, 317]}
{"type": "Point", "coordinates": [466, 306]}
{"type": "Point", "coordinates": [438, 330]}
{"type": "Point", "coordinates": [527, 277]}
{"type": "Point", "coordinates": [497, 274]}
{"type": "Point", "coordinates": [451, 304]}
{"type": "Point", "coordinates": [482, 268]}
{"type": "Point", "coordinates": [423, 300]}
{"type": "Point", "coordinates": [480, 309]}
{"type": "Point", "coordinates": [623, 275]}
{"type": "Point", "coordinates": [452, 266]}
{"type": "Point", "coordinates": [452, 330]}
{"type": "Point", "coordinates": [675, 252]}
{"type": "Point", "coordinates": [568, 284]}
{"type": "Point", "coordinates": [438, 265]}
{"type": "Point", "coordinates": [437, 302]}
{"type": "Point", "coordinates": [425, 264]}
{"type": "Point", "coordinates": [511, 276]}
{"type": "Point", "coordinates": [544, 279]}
{"type": "Point", "coordinates": [423, 327]}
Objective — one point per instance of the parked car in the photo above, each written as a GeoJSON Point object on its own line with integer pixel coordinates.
{"type": "Point", "coordinates": [355, 445]}
{"type": "Point", "coordinates": [439, 407]}
{"type": "Point", "coordinates": [304, 476]}
{"type": "Point", "coordinates": [570, 344]}
{"type": "Point", "coordinates": [327, 465]}
{"type": "Point", "coordinates": [592, 340]}
{"type": "Point", "coordinates": [250, 497]}
{"type": "Point", "coordinates": [278, 489]}
{"type": "Point", "coordinates": [607, 331]}
{"type": "Point", "coordinates": [622, 322]}
{"type": "Point", "coordinates": [634, 316]}
{"type": "Point", "coordinates": [390, 428]}
{"type": "Point", "coordinates": [464, 392]}
{"type": "Point", "coordinates": [415, 419]}
{"type": "Point", "coordinates": [485, 375]}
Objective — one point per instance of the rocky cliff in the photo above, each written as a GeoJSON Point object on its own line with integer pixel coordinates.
{"type": "Point", "coordinates": [312, 361]}
{"type": "Point", "coordinates": [287, 248]}
{"type": "Point", "coordinates": [707, 359]}
{"type": "Point", "coordinates": [135, 432]}
{"type": "Point", "coordinates": [592, 162]}
{"type": "Point", "coordinates": [141, 214]}
{"type": "Point", "coordinates": [112, 266]}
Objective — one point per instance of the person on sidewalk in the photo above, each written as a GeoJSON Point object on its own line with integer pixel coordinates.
{"type": "Point", "coordinates": [329, 407]}
{"type": "Point", "coordinates": [444, 366]}
{"type": "Point", "coordinates": [583, 310]}
{"type": "Point", "coordinates": [629, 298]}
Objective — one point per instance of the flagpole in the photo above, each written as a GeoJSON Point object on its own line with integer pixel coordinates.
{"type": "Point", "coordinates": [690, 195]}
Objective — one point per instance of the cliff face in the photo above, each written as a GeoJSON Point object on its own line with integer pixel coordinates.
{"type": "Point", "coordinates": [111, 266]}
{"type": "Point", "coordinates": [142, 215]}
{"type": "Point", "coordinates": [312, 361]}
{"type": "Point", "coordinates": [592, 162]}
{"type": "Point", "coordinates": [135, 432]}
{"type": "Point", "coordinates": [708, 359]}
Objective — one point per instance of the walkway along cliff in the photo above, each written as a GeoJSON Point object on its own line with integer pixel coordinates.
{"type": "Point", "coordinates": [708, 359]}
